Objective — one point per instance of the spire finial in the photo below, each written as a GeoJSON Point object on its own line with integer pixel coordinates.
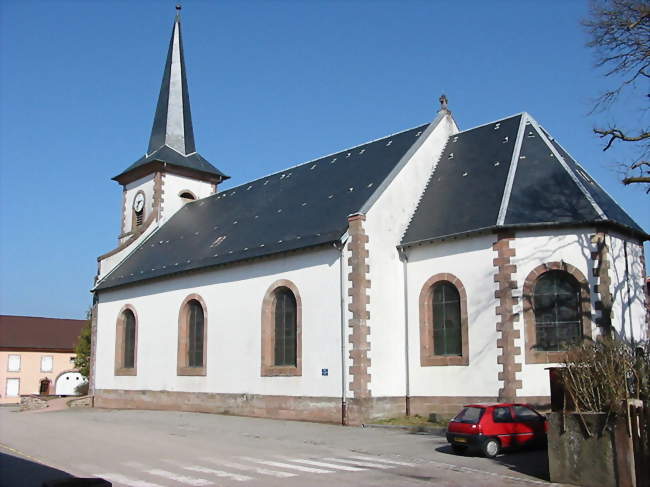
{"type": "Point", "coordinates": [443, 103]}
{"type": "Point", "coordinates": [179, 7]}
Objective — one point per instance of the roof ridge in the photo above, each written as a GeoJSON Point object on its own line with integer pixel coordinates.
{"type": "Point", "coordinates": [512, 170]}
{"type": "Point", "coordinates": [322, 157]}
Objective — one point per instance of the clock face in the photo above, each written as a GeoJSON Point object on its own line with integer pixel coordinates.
{"type": "Point", "coordinates": [138, 202]}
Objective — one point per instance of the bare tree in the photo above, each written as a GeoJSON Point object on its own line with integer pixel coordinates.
{"type": "Point", "coordinates": [619, 32]}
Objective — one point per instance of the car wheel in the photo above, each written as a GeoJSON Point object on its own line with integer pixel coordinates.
{"type": "Point", "coordinates": [491, 447]}
{"type": "Point", "coordinates": [459, 449]}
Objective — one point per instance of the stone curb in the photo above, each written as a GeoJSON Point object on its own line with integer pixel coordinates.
{"type": "Point", "coordinates": [430, 430]}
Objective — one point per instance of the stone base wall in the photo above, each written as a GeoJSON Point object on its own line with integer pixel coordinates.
{"type": "Point", "coordinates": [318, 409]}
{"type": "Point", "coordinates": [301, 408]}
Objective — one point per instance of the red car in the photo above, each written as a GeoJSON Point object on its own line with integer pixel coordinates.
{"type": "Point", "coordinates": [493, 427]}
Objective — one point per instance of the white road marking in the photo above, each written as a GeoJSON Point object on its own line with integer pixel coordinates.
{"type": "Point", "coordinates": [326, 465]}
{"type": "Point", "coordinates": [219, 473]}
{"type": "Point", "coordinates": [358, 462]}
{"type": "Point", "coordinates": [121, 479]}
{"type": "Point", "coordinates": [287, 465]}
{"type": "Point", "coordinates": [382, 460]}
{"type": "Point", "coordinates": [262, 471]}
{"type": "Point", "coordinates": [179, 478]}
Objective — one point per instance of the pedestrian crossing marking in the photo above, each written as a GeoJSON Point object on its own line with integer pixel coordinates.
{"type": "Point", "coordinates": [121, 479]}
{"type": "Point", "coordinates": [253, 468]}
{"type": "Point", "coordinates": [287, 465]}
{"type": "Point", "coordinates": [218, 473]}
{"type": "Point", "coordinates": [179, 478]}
{"type": "Point", "coordinates": [347, 468]}
{"type": "Point", "coordinates": [359, 462]}
{"type": "Point", "coordinates": [381, 459]}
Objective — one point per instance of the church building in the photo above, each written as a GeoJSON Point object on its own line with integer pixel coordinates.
{"type": "Point", "coordinates": [407, 275]}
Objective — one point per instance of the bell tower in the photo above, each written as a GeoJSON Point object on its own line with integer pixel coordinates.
{"type": "Point", "coordinates": [171, 173]}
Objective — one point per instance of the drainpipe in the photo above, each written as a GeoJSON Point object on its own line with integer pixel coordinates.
{"type": "Point", "coordinates": [344, 405]}
{"type": "Point", "coordinates": [404, 258]}
{"type": "Point", "coordinates": [629, 297]}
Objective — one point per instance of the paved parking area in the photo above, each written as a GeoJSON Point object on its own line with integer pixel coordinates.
{"type": "Point", "coordinates": [167, 448]}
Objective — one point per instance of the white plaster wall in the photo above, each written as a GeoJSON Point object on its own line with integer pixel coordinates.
{"type": "Point", "coordinates": [386, 221]}
{"type": "Point", "coordinates": [233, 296]}
{"type": "Point", "coordinates": [627, 275]}
{"type": "Point", "coordinates": [109, 263]}
{"type": "Point", "coordinates": [470, 260]}
{"type": "Point", "coordinates": [173, 185]}
{"type": "Point", "coordinates": [146, 184]}
{"type": "Point", "coordinates": [535, 247]}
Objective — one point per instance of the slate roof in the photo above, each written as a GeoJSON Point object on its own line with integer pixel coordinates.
{"type": "Point", "coordinates": [303, 206]}
{"type": "Point", "coordinates": [172, 134]}
{"type": "Point", "coordinates": [509, 174]}
{"type": "Point", "coordinates": [34, 333]}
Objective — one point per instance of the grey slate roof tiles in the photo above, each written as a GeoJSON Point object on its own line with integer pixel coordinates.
{"type": "Point", "coordinates": [470, 184]}
{"type": "Point", "coordinates": [300, 207]}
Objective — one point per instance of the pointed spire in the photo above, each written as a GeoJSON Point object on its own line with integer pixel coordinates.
{"type": "Point", "coordinates": [172, 125]}
{"type": "Point", "coordinates": [172, 137]}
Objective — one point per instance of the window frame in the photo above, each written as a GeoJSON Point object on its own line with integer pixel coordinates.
{"type": "Point", "coordinates": [17, 379]}
{"type": "Point", "coordinates": [183, 368]}
{"type": "Point", "coordinates": [268, 367]}
{"type": "Point", "coordinates": [51, 357]}
{"type": "Point", "coordinates": [533, 356]}
{"type": "Point", "coordinates": [120, 341]}
{"type": "Point", "coordinates": [20, 362]}
{"type": "Point", "coordinates": [428, 358]}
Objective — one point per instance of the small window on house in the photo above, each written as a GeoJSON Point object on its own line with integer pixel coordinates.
{"type": "Point", "coordinates": [446, 320]}
{"type": "Point", "coordinates": [192, 337]}
{"type": "Point", "coordinates": [46, 363]}
{"type": "Point", "coordinates": [13, 363]}
{"type": "Point", "coordinates": [556, 302]}
{"type": "Point", "coordinates": [285, 328]}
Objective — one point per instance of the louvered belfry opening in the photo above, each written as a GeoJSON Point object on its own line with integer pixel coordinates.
{"type": "Point", "coordinates": [285, 327]}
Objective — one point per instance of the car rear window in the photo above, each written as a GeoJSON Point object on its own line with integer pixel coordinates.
{"type": "Point", "coordinates": [471, 415]}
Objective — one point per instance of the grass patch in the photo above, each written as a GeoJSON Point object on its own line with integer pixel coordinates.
{"type": "Point", "coordinates": [415, 420]}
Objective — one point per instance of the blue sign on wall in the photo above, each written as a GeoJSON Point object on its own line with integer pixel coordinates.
{"type": "Point", "coordinates": [324, 372]}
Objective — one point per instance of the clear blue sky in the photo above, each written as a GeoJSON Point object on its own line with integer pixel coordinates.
{"type": "Point", "coordinates": [272, 83]}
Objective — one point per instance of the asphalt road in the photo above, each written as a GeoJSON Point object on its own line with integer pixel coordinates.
{"type": "Point", "coordinates": [165, 448]}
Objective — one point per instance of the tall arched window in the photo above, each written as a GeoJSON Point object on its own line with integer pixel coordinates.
{"type": "Point", "coordinates": [446, 319]}
{"type": "Point", "coordinates": [281, 330]}
{"type": "Point", "coordinates": [192, 336]}
{"type": "Point", "coordinates": [285, 327]}
{"type": "Point", "coordinates": [126, 339]}
{"type": "Point", "coordinates": [556, 302]}
{"type": "Point", "coordinates": [195, 334]}
{"type": "Point", "coordinates": [444, 330]}
{"type": "Point", "coordinates": [557, 311]}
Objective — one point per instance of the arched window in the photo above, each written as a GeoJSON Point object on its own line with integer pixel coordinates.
{"type": "Point", "coordinates": [557, 311]}
{"type": "Point", "coordinates": [126, 342]}
{"type": "Point", "coordinates": [281, 330]}
{"type": "Point", "coordinates": [192, 337]}
{"type": "Point", "coordinates": [195, 334]}
{"type": "Point", "coordinates": [285, 328]}
{"type": "Point", "coordinates": [556, 303]}
{"type": "Point", "coordinates": [444, 331]}
{"type": "Point", "coordinates": [446, 319]}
